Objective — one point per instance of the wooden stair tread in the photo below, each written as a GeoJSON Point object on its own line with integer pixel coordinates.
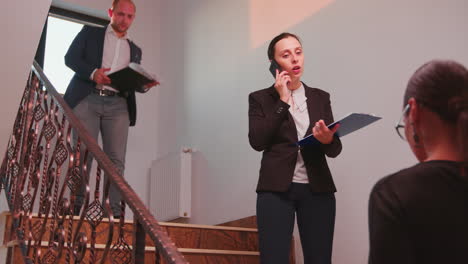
{"type": "Point", "coordinates": [152, 249]}
{"type": "Point", "coordinates": [198, 243]}
{"type": "Point", "coordinates": [169, 224]}
{"type": "Point", "coordinates": [183, 235]}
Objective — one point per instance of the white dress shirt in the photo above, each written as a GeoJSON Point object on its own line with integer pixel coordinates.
{"type": "Point", "coordinates": [116, 54]}
{"type": "Point", "coordinates": [300, 114]}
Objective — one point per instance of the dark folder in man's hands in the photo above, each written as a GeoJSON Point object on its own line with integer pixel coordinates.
{"type": "Point", "coordinates": [130, 78]}
{"type": "Point", "coordinates": [348, 124]}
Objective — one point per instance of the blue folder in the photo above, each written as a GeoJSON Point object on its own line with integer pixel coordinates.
{"type": "Point", "coordinates": [348, 124]}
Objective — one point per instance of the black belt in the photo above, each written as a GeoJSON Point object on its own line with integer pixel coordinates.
{"type": "Point", "coordinates": [103, 92]}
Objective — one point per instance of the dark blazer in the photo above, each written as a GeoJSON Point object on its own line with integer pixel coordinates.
{"type": "Point", "coordinates": [273, 131]}
{"type": "Point", "coordinates": [83, 57]}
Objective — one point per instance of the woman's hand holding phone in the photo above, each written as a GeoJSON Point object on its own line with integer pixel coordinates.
{"type": "Point", "coordinates": [281, 85]}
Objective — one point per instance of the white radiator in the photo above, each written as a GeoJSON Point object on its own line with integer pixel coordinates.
{"type": "Point", "coordinates": [170, 186]}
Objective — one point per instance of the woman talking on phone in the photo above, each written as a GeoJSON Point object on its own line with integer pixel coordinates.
{"type": "Point", "coordinates": [293, 181]}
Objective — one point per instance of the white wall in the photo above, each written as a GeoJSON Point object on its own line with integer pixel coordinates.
{"type": "Point", "coordinates": [361, 51]}
{"type": "Point", "coordinates": [22, 22]}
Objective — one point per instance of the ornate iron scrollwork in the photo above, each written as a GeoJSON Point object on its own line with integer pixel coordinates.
{"type": "Point", "coordinates": [45, 171]}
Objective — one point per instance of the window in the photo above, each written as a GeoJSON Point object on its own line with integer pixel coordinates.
{"type": "Point", "coordinates": [60, 34]}
{"type": "Point", "coordinates": [59, 31]}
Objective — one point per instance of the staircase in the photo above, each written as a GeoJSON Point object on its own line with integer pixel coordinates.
{"type": "Point", "coordinates": [198, 243]}
{"type": "Point", "coordinates": [42, 171]}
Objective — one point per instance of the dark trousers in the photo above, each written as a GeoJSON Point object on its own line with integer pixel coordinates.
{"type": "Point", "coordinates": [315, 218]}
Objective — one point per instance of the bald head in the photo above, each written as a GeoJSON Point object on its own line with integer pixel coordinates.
{"type": "Point", "coordinates": [116, 2]}
{"type": "Point", "coordinates": [122, 14]}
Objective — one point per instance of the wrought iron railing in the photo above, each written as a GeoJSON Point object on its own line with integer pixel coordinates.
{"type": "Point", "coordinates": [43, 170]}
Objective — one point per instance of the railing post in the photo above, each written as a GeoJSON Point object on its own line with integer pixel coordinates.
{"type": "Point", "coordinates": [139, 237]}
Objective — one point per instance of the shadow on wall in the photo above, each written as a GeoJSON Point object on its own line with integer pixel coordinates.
{"type": "Point", "coordinates": [264, 14]}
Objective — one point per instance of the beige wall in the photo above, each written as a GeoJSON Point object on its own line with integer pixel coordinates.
{"type": "Point", "coordinates": [22, 22]}
{"type": "Point", "coordinates": [361, 51]}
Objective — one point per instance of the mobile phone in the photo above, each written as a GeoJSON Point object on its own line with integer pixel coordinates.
{"type": "Point", "coordinates": [273, 67]}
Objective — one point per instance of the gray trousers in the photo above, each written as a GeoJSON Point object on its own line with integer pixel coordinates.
{"type": "Point", "coordinates": [108, 115]}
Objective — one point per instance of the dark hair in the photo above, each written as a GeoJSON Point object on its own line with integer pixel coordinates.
{"type": "Point", "coordinates": [116, 2]}
{"type": "Point", "coordinates": [442, 87]}
{"type": "Point", "coordinates": [271, 47]}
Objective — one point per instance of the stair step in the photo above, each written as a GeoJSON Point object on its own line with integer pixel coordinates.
{"type": "Point", "coordinates": [198, 243]}
{"type": "Point", "coordinates": [183, 235]}
{"type": "Point", "coordinates": [193, 255]}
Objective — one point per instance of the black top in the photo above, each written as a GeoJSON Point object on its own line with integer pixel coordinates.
{"type": "Point", "coordinates": [273, 131]}
{"type": "Point", "coordinates": [420, 215]}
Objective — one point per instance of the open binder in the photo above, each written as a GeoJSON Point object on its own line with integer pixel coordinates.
{"type": "Point", "coordinates": [348, 124]}
{"type": "Point", "coordinates": [130, 78]}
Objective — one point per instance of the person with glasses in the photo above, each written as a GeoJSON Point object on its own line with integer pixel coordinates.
{"type": "Point", "coordinates": [420, 214]}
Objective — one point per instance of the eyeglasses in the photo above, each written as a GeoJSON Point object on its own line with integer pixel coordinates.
{"type": "Point", "coordinates": [400, 126]}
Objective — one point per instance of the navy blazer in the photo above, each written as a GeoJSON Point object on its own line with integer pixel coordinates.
{"type": "Point", "coordinates": [273, 131]}
{"type": "Point", "coordinates": [83, 57]}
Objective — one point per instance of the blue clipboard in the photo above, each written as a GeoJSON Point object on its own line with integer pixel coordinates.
{"type": "Point", "coordinates": [348, 124]}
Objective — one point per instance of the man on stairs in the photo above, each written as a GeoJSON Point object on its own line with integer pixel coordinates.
{"type": "Point", "coordinates": [94, 53]}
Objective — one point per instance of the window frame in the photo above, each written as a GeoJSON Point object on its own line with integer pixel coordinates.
{"type": "Point", "coordinates": [68, 15]}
